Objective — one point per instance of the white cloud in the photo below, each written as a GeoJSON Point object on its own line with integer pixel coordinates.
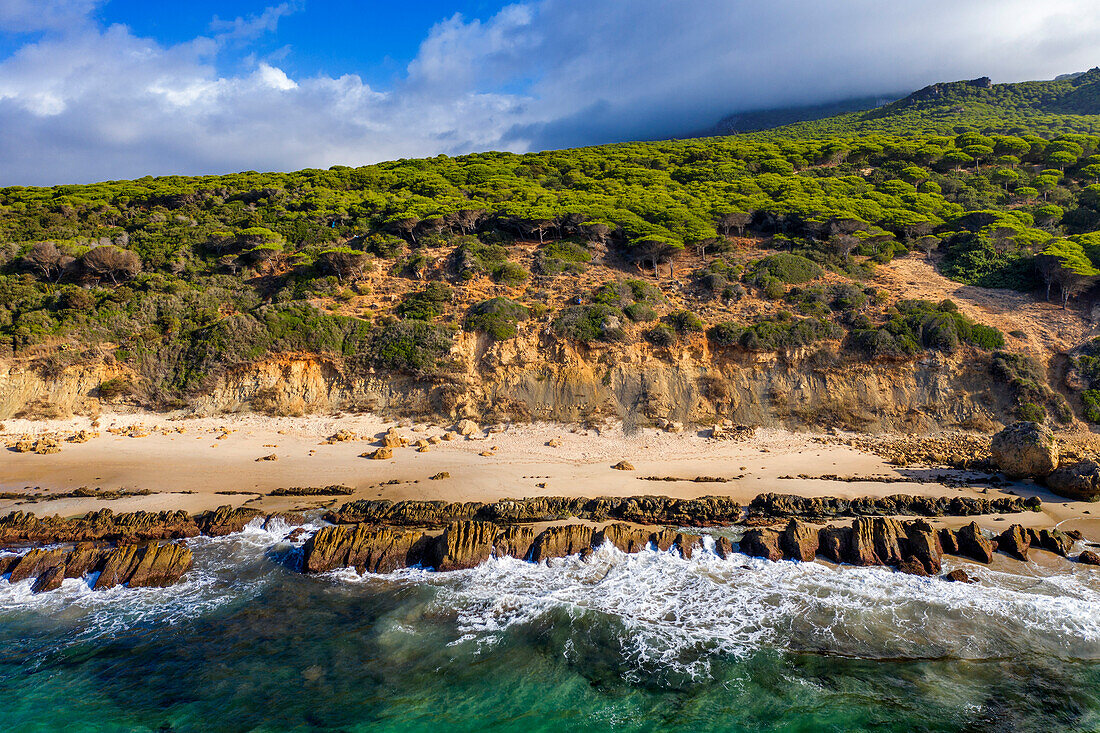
{"type": "Point", "coordinates": [28, 16]}
{"type": "Point", "coordinates": [87, 102]}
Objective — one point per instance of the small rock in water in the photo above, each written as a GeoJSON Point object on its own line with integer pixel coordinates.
{"type": "Point", "coordinates": [1088, 557]}
{"type": "Point", "coordinates": [958, 576]}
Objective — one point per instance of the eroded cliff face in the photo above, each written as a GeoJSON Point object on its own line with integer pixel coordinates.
{"type": "Point", "coordinates": [540, 377]}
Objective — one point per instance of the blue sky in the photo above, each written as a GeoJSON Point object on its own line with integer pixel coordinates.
{"type": "Point", "coordinates": [374, 39]}
{"type": "Point", "coordinates": [106, 89]}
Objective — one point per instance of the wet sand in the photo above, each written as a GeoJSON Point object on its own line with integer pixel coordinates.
{"type": "Point", "coordinates": [204, 456]}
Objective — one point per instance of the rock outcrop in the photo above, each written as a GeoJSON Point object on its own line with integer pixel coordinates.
{"type": "Point", "coordinates": [1088, 557]}
{"type": "Point", "coordinates": [1015, 541]}
{"type": "Point", "coordinates": [128, 528]}
{"type": "Point", "coordinates": [762, 542]}
{"type": "Point", "coordinates": [817, 507]}
{"type": "Point", "coordinates": [149, 565]}
{"type": "Point", "coordinates": [1025, 450]}
{"type": "Point", "coordinates": [1078, 481]}
{"type": "Point", "coordinates": [707, 511]}
{"type": "Point", "coordinates": [973, 544]}
{"type": "Point", "coordinates": [364, 547]}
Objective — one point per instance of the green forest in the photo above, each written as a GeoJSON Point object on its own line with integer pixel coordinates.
{"type": "Point", "coordinates": [183, 277]}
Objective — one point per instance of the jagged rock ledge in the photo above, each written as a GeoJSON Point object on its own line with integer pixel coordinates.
{"type": "Point", "coordinates": [125, 549]}
{"type": "Point", "coordinates": [707, 511]}
{"type": "Point", "coordinates": [914, 547]}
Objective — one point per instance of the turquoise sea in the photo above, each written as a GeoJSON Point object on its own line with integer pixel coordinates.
{"type": "Point", "coordinates": [646, 642]}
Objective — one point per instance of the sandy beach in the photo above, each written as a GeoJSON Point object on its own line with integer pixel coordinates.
{"type": "Point", "coordinates": [187, 462]}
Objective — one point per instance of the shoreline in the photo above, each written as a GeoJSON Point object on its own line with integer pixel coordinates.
{"type": "Point", "coordinates": [185, 462]}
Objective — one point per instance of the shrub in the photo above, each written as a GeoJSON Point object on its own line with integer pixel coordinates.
{"type": "Point", "coordinates": [510, 273]}
{"type": "Point", "coordinates": [685, 322]}
{"type": "Point", "coordinates": [426, 304]}
{"type": "Point", "coordinates": [1091, 400]}
{"type": "Point", "coordinates": [725, 334]}
{"type": "Point", "coordinates": [639, 312]}
{"type": "Point", "coordinates": [561, 256]}
{"type": "Point", "coordinates": [785, 332]}
{"type": "Point", "coordinates": [789, 268]}
{"type": "Point", "coordinates": [497, 317]}
{"type": "Point", "coordinates": [1031, 412]}
{"type": "Point", "coordinates": [660, 335]}
{"type": "Point", "coordinates": [413, 347]}
{"type": "Point", "coordinates": [591, 323]}
{"type": "Point", "coordinates": [115, 388]}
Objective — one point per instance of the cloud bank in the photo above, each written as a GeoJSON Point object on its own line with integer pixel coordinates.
{"type": "Point", "coordinates": [82, 101]}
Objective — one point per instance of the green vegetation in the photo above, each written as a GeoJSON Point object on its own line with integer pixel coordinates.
{"type": "Point", "coordinates": [496, 317]}
{"type": "Point", "coordinates": [789, 268]}
{"type": "Point", "coordinates": [913, 326]}
{"type": "Point", "coordinates": [426, 304]}
{"type": "Point", "coordinates": [182, 278]}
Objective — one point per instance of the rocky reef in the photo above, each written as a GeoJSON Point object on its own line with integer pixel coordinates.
{"type": "Point", "coordinates": [914, 547]}
{"type": "Point", "coordinates": [139, 566]}
{"type": "Point", "coordinates": [706, 511]}
{"type": "Point", "coordinates": [124, 549]}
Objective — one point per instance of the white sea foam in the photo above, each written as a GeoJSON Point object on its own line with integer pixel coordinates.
{"type": "Point", "coordinates": [678, 612]}
{"type": "Point", "coordinates": [668, 612]}
{"type": "Point", "coordinates": [226, 570]}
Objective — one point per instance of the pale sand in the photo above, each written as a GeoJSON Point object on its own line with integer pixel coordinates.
{"type": "Point", "coordinates": [169, 462]}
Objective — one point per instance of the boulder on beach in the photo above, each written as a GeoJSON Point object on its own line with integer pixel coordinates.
{"type": "Point", "coordinates": [623, 466]}
{"type": "Point", "coordinates": [1078, 481]}
{"type": "Point", "coordinates": [1025, 450]}
{"type": "Point", "coordinates": [466, 428]}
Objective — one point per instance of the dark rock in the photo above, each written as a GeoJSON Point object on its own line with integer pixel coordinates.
{"type": "Point", "coordinates": [949, 541]}
{"type": "Point", "coordinates": [762, 542]}
{"type": "Point", "coordinates": [688, 544]}
{"type": "Point", "coordinates": [1015, 541]}
{"type": "Point", "coordinates": [799, 541]}
{"type": "Point", "coordinates": [958, 576]}
{"type": "Point", "coordinates": [1088, 557]}
{"type": "Point", "coordinates": [104, 525]}
{"type": "Point", "coordinates": [160, 566]}
{"type": "Point", "coordinates": [226, 520]}
{"type": "Point", "coordinates": [49, 580]}
{"type": "Point", "coordinates": [624, 537]}
{"type": "Point", "coordinates": [664, 539]}
{"type": "Point", "coordinates": [833, 541]}
{"type": "Point", "coordinates": [364, 547]}
{"type": "Point", "coordinates": [35, 562]}
{"type": "Point", "coordinates": [1025, 450]}
{"type": "Point", "coordinates": [83, 559]}
{"type": "Point", "coordinates": [922, 544]}
{"type": "Point", "coordinates": [913, 566]}
{"type": "Point", "coordinates": [1079, 481]}
{"type": "Point", "coordinates": [723, 547]}
{"type": "Point", "coordinates": [973, 544]}
{"type": "Point", "coordinates": [1056, 541]}
{"type": "Point", "coordinates": [118, 565]}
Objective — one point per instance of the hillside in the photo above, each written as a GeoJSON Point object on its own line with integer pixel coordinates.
{"type": "Point", "coordinates": [762, 278]}
{"type": "Point", "coordinates": [1066, 104]}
